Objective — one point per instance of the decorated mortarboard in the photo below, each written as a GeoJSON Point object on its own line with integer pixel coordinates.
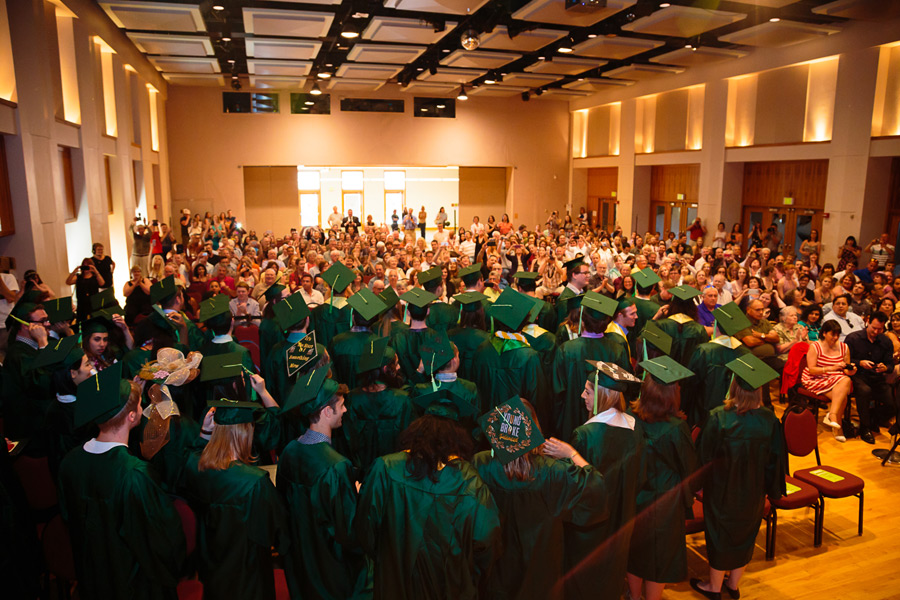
{"type": "Point", "coordinates": [312, 391]}
{"type": "Point", "coordinates": [510, 430]}
{"type": "Point", "coordinates": [59, 309]}
{"type": "Point", "coordinates": [470, 301]}
{"type": "Point", "coordinates": [598, 304]}
{"type": "Point", "coordinates": [436, 353]}
{"type": "Point", "coordinates": [731, 319]}
{"type": "Point", "coordinates": [273, 292]}
{"type": "Point", "coordinates": [389, 297]}
{"type": "Point", "coordinates": [104, 299]}
{"type": "Point", "coordinates": [430, 276]}
{"type": "Point", "coordinates": [665, 369]}
{"type": "Point", "coordinates": [611, 376]}
{"type": "Point", "coordinates": [645, 278]}
{"type": "Point", "coordinates": [366, 303]}
{"type": "Point", "coordinates": [656, 336]}
{"type": "Point", "coordinates": [471, 274]}
{"type": "Point", "coordinates": [338, 276]}
{"type": "Point", "coordinates": [574, 263]}
{"type": "Point", "coordinates": [684, 292]}
{"type": "Point", "coordinates": [752, 373]}
{"type": "Point", "coordinates": [375, 355]}
{"type": "Point", "coordinates": [101, 396]}
{"type": "Point", "coordinates": [57, 352]}
{"type": "Point", "coordinates": [418, 297]}
{"type": "Point", "coordinates": [511, 308]}
{"type": "Point", "coordinates": [234, 412]}
{"type": "Point", "coordinates": [290, 311]}
{"type": "Point", "coordinates": [213, 307]}
{"type": "Point", "coordinates": [163, 290]}
{"type": "Point", "coordinates": [444, 403]}
{"type": "Point", "coordinates": [221, 366]}
{"type": "Point", "coordinates": [301, 354]}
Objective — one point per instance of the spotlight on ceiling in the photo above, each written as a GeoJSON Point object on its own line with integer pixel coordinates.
{"type": "Point", "coordinates": [235, 84]}
{"type": "Point", "coordinates": [491, 78]}
{"type": "Point", "coordinates": [462, 93]}
{"type": "Point", "coordinates": [324, 75]}
{"type": "Point", "coordinates": [442, 106]}
{"type": "Point", "coordinates": [526, 96]}
{"type": "Point", "coordinates": [774, 20]}
{"type": "Point", "coordinates": [350, 30]}
{"type": "Point", "coordinates": [469, 39]}
{"type": "Point", "coordinates": [315, 91]}
{"type": "Point", "coordinates": [226, 39]}
{"type": "Point", "coordinates": [218, 7]}
{"type": "Point", "coordinates": [566, 46]}
{"type": "Point", "coordinates": [433, 70]}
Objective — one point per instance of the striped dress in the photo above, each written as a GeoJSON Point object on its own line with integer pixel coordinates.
{"type": "Point", "coordinates": [823, 383]}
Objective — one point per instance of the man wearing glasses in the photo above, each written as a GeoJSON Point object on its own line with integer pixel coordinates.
{"type": "Point", "coordinates": [26, 394]}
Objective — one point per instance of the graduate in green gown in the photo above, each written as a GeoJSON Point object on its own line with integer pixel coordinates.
{"type": "Point", "coordinates": [379, 409]}
{"type": "Point", "coordinates": [333, 317]}
{"type": "Point", "coordinates": [170, 297]}
{"type": "Point", "coordinates": [26, 392]}
{"type": "Point", "coordinates": [105, 338]}
{"type": "Point", "coordinates": [527, 282]}
{"type": "Point", "coordinates": [577, 276]}
{"type": "Point", "coordinates": [240, 516]}
{"type": "Point", "coordinates": [347, 347]}
{"type": "Point", "coordinates": [216, 314]}
{"type": "Point", "coordinates": [621, 329]}
{"type": "Point", "coordinates": [293, 317]}
{"type": "Point", "coordinates": [742, 449]}
{"type": "Point", "coordinates": [441, 315]}
{"type": "Point", "coordinates": [681, 323]}
{"type": "Point", "coordinates": [471, 331]}
{"type": "Point", "coordinates": [270, 332]}
{"type": "Point", "coordinates": [570, 363]}
{"type": "Point", "coordinates": [543, 342]}
{"type": "Point", "coordinates": [127, 538]}
{"type": "Point", "coordinates": [407, 344]}
{"type": "Point", "coordinates": [441, 364]}
{"type": "Point", "coordinates": [424, 516]}
{"type": "Point", "coordinates": [645, 282]}
{"type": "Point", "coordinates": [318, 486]}
{"type": "Point", "coordinates": [536, 495]}
{"type": "Point", "coordinates": [658, 554]}
{"type": "Point", "coordinates": [611, 441]}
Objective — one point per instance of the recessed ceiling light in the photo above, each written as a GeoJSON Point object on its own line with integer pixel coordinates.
{"type": "Point", "coordinates": [424, 109]}
{"type": "Point", "coordinates": [420, 69]}
{"type": "Point", "coordinates": [592, 35]}
{"type": "Point", "coordinates": [442, 106]}
{"type": "Point", "coordinates": [218, 7]}
{"type": "Point", "coordinates": [234, 76]}
{"type": "Point", "coordinates": [445, 50]}
{"type": "Point", "coordinates": [774, 20]}
{"type": "Point", "coordinates": [324, 75]}
{"type": "Point", "coordinates": [665, 5]}
{"type": "Point", "coordinates": [309, 103]}
{"type": "Point", "coordinates": [230, 61]}
{"type": "Point", "coordinates": [329, 64]}
{"type": "Point", "coordinates": [226, 39]}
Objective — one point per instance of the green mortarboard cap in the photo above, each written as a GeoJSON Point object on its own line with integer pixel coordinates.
{"type": "Point", "coordinates": [104, 299]}
{"type": "Point", "coordinates": [273, 292]}
{"type": "Point", "coordinates": [221, 366]}
{"type": "Point", "coordinates": [611, 376]}
{"type": "Point", "coordinates": [684, 292]}
{"type": "Point", "coordinates": [418, 297]}
{"type": "Point", "coordinates": [624, 303]}
{"type": "Point", "coordinates": [234, 412]}
{"type": "Point", "coordinates": [471, 274]}
{"type": "Point", "coordinates": [312, 391]}
{"type": "Point", "coordinates": [99, 322]}
{"type": "Point", "coordinates": [574, 263]}
{"type": "Point", "coordinates": [291, 311]}
{"type": "Point", "coordinates": [752, 372]}
{"type": "Point", "coordinates": [645, 278]}
{"type": "Point", "coordinates": [656, 336]}
{"type": "Point", "coordinates": [444, 403]}
{"type": "Point", "coordinates": [535, 311]}
{"type": "Point", "coordinates": [599, 304]}
{"type": "Point", "coordinates": [163, 290]}
{"type": "Point", "coordinates": [159, 318]}
{"type": "Point", "coordinates": [511, 430]}
{"type": "Point", "coordinates": [731, 319]}
{"type": "Point", "coordinates": [527, 275]}
{"type": "Point", "coordinates": [20, 310]}
{"type": "Point", "coordinates": [389, 297]}
{"type": "Point", "coordinates": [31, 296]}
{"type": "Point", "coordinates": [213, 307]}
{"type": "Point", "coordinates": [375, 355]}
{"type": "Point", "coordinates": [59, 309]}
{"type": "Point", "coordinates": [470, 301]}
{"type": "Point", "coordinates": [431, 275]}
{"type": "Point", "coordinates": [338, 276]}
{"type": "Point", "coordinates": [436, 353]}
{"type": "Point", "coordinates": [665, 369]}
{"type": "Point", "coordinates": [57, 352]}
{"type": "Point", "coordinates": [366, 303]}
{"type": "Point", "coordinates": [101, 397]}
{"type": "Point", "coordinates": [511, 308]}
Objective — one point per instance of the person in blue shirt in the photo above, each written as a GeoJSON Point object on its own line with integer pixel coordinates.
{"type": "Point", "coordinates": [865, 275]}
{"type": "Point", "coordinates": [705, 310]}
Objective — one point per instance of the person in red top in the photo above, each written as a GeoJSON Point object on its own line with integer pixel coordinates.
{"type": "Point", "coordinates": [226, 282]}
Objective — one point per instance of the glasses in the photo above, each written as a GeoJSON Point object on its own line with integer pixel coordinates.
{"type": "Point", "coordinates": [40, 321]}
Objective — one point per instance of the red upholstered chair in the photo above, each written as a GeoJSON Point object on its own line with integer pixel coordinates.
{"type": "Point", "coordinates": [190, 589]}
{"type": "Point", "coordinates": [58, 558]}
{"type": "Point", "coordinates": [39, 486]}
{"type": "Point", "coordinates": [188, 523]}
{"type": "Point", "coordinates": [799, 495]}
{"type": "Point", "coordinates": [281, 587]}
{"type": "Point", "coordinates": [800, 436]}
{"type": "Point", "coordinates": [248, 337]}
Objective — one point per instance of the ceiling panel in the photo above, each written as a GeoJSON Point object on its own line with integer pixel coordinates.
{"type": "Point", "coordinates": [287, 23]}
{"type": "Point", "coordinates": [561, 94]}
{"type": "Point", "coordinates": [339, 84]}
{"type": "Point", "coordinates": [497, 91]}
{"type": "Point", "coordinates": [554, 11]}
{"type": "Point", "coordinates": [409, 31]}
{"type": "Point", "coordinates": [453, 7]}
{"type": "Point", "coordinates": [434, 88]}
{"type": "Point", "coordinates": [320, 2]}
{"type": "Point", "coordinates": [291, 68]}
{"type": "Point", "coordinates": [766, 3]}
{"type": "Point", "coordinates": [564, 65]}
{"type": "Point", "coordinates": [615, 47]}
{"type": "Point", "coordinates": [282, 49]}
{"type": "Point", "coordinates": [452, 75]}
{"type": "Point", "coordinates": [683, 21]}
{"type": "Point", "coordinates": [172, 45]}
{"type": "Point", "coordinates": [475, 59]}
{"type": "Point", "coordinates": [385, 53]}
{"type": "Point", "coordinates": [527, 41]}
{"type": "Point", "coordinates": [781, 33]}
{"type": "Point", "coordinates": [185, 64]}
{"type": "Point", "coordinates": [642, 72]}
{"type": "Point", "coordinates": [867, 10]}
{"type": "Point", "coordinates": [530, 79]}
{"type": "Point", "coordinates": [154, 16]}
{"type": "Point", "coordinates": [595, 84]}
{"type": "Point", "coordinates": [276, 82]}
{"type": "Point", "coordinates": [367, 71]}
{"type": "Point", "coordinates": [693, 57]}
{"type": "Point", "coordinates": [194, 79]}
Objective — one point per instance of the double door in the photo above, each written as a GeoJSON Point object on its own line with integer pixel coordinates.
{"type": "Point", "coordinates": [792, 226]}
{"type": "Point", "coordinates": [602, 213]}
{"type": "Point", "coordinates": [672, 216]}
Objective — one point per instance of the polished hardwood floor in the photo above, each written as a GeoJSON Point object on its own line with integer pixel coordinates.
{"type": "Point", "coordinates": [845, 566]}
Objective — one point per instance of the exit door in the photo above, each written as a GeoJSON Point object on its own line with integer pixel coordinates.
{"type": "Point", "coordinates": [792, 226]}
{"type": "Point", "coordinates": [672, 216]}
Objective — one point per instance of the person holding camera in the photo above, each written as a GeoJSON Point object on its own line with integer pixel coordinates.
{"type": "Point", "coordinates": [87, 281]}
{"type": "Point", "coordinates": [873, 352]}
{"type": "Point", "coordinates": [140, 251]}
{"type": "Point", "coordinates": [829, 373]}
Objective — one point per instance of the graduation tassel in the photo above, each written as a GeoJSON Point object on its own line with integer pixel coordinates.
{"type": "Point", "coordinates": [434, 383]}
{"type": "Point", "coordinates": [459, 318]}
{"type": "Point", "coordinates": [580, 313]}
{"type": "Point", "coordinates": [596, 376]}
{"type": "Point", "coordinates": [351, 317]}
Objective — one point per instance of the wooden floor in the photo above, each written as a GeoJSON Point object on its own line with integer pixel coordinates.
{"type": "Point", "coordinates": [845, 566]}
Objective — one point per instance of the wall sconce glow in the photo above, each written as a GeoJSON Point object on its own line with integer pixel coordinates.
{"type": "Point", "coordinates": [130, 69]}
{"type": "Point", "coordinates": [68, 69]}
{"type": "Point", "coordinates": [154, 118]}
{"type": "Point", "coordinates": [109, 94]}
{"type": "Point", "coordinates": [104, 47]}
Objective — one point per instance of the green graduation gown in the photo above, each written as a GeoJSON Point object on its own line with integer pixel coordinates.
{"type": "Point", "coordinates": [514, 371]}
{"type": "Point", "coordinates": [169, 461]}
{"type": "Point", "coordinates": [442, 316]}
{"type": "Point", "coordinates": [570, 372]}
{"type": "Point", "coordinates": [461, 388]}
{"type": "Point", "coordinates": [467, 341]}
{"type": "Point", "coordinates": [127, 538]}
{"type": "Point", "coordinates": [213, 348]}
{"type": "Point", "coordinates": [685, 338]}
{"type": "Point", "coordinates": [318, 486]}
{"type": "Point", "coordinates": [270, 333]}
{"type": "Point", "coordinates": [240, 517]}
{"type": "Point", "coordinates": [532, 514]}
{"type": "Point", "coordinates": [373, 422]}
{"type": "Point", "coordinates": [597, 556]}
{"type": "Point", "coordinates": [26, 393]}
{"type": "Point", "coordinates": [646, 310]}
{"type": "Point", "coordinates": [708, 387]}
{"type": "Point", "coordinates": [277, 381]}
{"type": "Point", "coordinates": [328, 321]}
{"type": "Point", "coordinates": [428, 540]}
{"type": "Point", "coordinates": [658, 552]}
{"type": "Point", "coordinates": [746, 458]}
{"type": "Point", "coordinates": [346, 348]}
{"type": "Point", "coordinates": [407, 345]}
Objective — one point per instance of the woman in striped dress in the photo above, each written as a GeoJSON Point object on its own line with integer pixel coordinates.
{"type": "Point", "coordinates": [828, 372]}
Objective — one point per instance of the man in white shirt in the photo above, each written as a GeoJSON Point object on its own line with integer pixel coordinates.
{"type": "Point", "coordinates": [847, 319]}
{"type": "Point", "coordinates": [334, 219]}
{"type": "Point", "coordinates": [467, 247]}
{"type": "Point", "coordinates": [718, 282]}
{"type": "Point", "coordinates": [311, 296]}
{"type": "Point", "coordinates": [9, 289]}
{"type": "Point", "coordinates": [881, 250]}
{"type": "Point", "coordinates": [441, 235]}
{"type": "Point", "coordinates": [242, 304]}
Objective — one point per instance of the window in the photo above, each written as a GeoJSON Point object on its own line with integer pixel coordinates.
{"type": "Point", "coordinates": [7, 226]}
{"type": "Point", "coordinates": [309, 185]}
{"type": "Point", "coordinates": [68, 182]}
{"type": "Point", "coordinates": [309, 104]}
{"type": "Point", "coordinates": [243, 102]}
{"type": "Point", "coordinates": [371, 105]}
{"type": "Point", "coordinates": [394, 192]}
{"type": "Point", "coordinates": [444, 108]}
{"type": "Point", "coordinates": [352, 192]}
